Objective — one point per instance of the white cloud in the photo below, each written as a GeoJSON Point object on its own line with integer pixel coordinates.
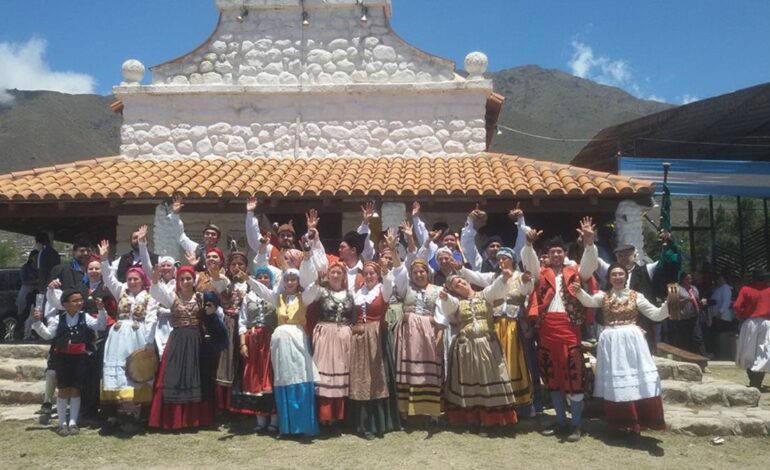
{"type": "Point", "coordinates": [585, 64]}
{"type": "Point", "coordinates": [654, 97]}
{"type": "Point", "coordinates": [688, 98]}
{"type": "Point", "coordinates": [24, 67]}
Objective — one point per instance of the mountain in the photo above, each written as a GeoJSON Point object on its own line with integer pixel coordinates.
{"type": "Point", "coordinates": [43, 128]}
{"type": "Point", "coordinates": [552, 103]}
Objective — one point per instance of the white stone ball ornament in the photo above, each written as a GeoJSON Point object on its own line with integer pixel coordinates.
{"type": "Point", "coordinates": [133, 72]}
{"type": "Point", "coordinates": [476, 64]}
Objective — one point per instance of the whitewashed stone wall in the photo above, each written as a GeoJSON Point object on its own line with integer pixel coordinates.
{"type": "Point", "coordinates": [629, 227]}
{"type": "Point", "coordinates": [413, 124]}
{"type": "Point", "coordinates": [272, 47]}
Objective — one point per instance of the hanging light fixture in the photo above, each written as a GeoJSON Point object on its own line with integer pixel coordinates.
{"type": "Point", "coordinates": [240, 18]}
{"type": "Point", "coordinates": [305, 15]}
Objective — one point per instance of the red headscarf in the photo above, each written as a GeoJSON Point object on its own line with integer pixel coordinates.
{"type": "Point", "coordinates": [139, 272]}
{"type": "Point", "coordinates": [181, 270]}
{"type": "Point", "coordinates": [219, 252]}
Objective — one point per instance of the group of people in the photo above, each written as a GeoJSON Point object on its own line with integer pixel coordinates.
{"type": "Point", "coordinates": [425, 324]}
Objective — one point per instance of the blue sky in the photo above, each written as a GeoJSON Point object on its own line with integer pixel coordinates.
{"type": "Point", "coordinates": [674, 50]}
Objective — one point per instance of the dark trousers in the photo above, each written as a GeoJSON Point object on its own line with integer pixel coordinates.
{"type": "Point", "coordinates": [755, 378]}
{"type": "Point", "coordinates": [686, 334]}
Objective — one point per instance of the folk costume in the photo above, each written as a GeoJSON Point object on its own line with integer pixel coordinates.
{"type": "Point", "coordinates": [332, 338]}
{"type": "Point", "coordinates": [252, 390]}
{"type": "Point", "coordinates": [419, 347]}
{"type": "Point", "coordinates": [131, 332]}
{"type": "Point", "coordinates": [373, 397]}
{"type": "Point", "coordinates": [626, 375]}
{"type": "Point", "coordinates": [294, 371]}
{"type": "Point", "coordinates": [184, 390]}
{"type": "Point", "coordinates": [478, 388]}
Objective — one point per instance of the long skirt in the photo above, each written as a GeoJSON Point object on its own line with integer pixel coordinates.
{"type": "Point", "coordinates": [331, 353]}
{"type": "Point", "coordinates": [252, 389]}
{"type": "Point", "coordinates": [635, 415]}
{"type": "Point", "coordinates": [419, 365]}
{"type": "Point", "coordinates": [507, 330]}
{"type": "Point", "coordinates": [373, 404]}
{"type": "Point", "coordinates": [294, 375]}
{"type": "Point", "coordinates": [478, 387]}
{"type": "Point", "coordinates": [225, 373]}
{"type": "Point", "coordinates": [118, 391]}
{"type": "Point", "coordinates": [558, 354]}
{"type": "Point", "coordinates": [183, 396]}
{"type": "Point", "coordinates": [754, 345]}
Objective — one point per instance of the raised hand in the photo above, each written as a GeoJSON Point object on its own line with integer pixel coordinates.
{"type": "Point", "coordinates": [533, 235]}
{"type": "Point", "coordinates": [99, 303]}
{"type": "Point", "coordinates": [142, 233]}
{"type": "Point", "coordinates": [191, 258]}
{"type": "Point", "coordinates": [407, 229]}
{"type": "Point", "coordinates": [587, 231]}
{"type": "Point", "coordinates": [415, 209]}
{"type": "Point", "coordinates": [54, 284]}
{"type": "Point", "coordinates": [37, 314]}
{"type": "Point", "coordinates": [390, 238]}
{"type": "Point", "coordinates": [516, 212]}
{"type": "Point", "coordinates": [156, 274]}
{"type": "Point", "coordinates": [443, 294]}
{"type": "Point", "coordinates": [251, 204]}
{"type": "Point", "coordinates": [367, 212]}
{"type": "Point", "coordinates": [526, 277]}
{"type": "Point", "coordinates": [104, 249]}
{"type": "Point", "coordinates": [576, 287]}
{"type": "Point", "coordinates": [176, 206]}
{"type": "Point", "coordinates": [456, 265]}
{"type": "Point", "coordinates": [312, 220]}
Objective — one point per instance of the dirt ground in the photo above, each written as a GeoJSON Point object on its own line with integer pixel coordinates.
{"type": "Point", "coordinates": [25, 444]}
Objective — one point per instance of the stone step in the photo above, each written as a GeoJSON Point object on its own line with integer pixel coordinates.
{"type": "Point", "coordinates": [12, 392]}
{"type": "Point", "coordinates": [24, 351]}
{"type": "Point", "coordinates": [18, 412]}
{"type": "Point", "coordinates": [709, 392]}
{"type": "Point", "coordinates": [718, 421]}
{"type": "Point", "coordinates": [23, 370]}
{"type": "Point", "coordinates": [670, 369]}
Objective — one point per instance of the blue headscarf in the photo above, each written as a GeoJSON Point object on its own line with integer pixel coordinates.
{"type": "Point", "coordinates": [505, 251]}
{"type": "Point", "coordinates": [265, 270]}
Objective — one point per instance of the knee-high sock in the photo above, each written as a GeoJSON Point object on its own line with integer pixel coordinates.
{"type": "Point", "coordinates": [576, 409]}
{"type": "Point", "coordinates": [50, 386]}
{"type": "Point", "coordinates": [261, 421]}
{"type": "Point", "coordinates": [557, 399]}
{"type": "Point", "coordinates": [61, 410]}
{"type": "Point", "coordinates": [274, 420]}
{"type": "Point", "coordinates": [74, 411]}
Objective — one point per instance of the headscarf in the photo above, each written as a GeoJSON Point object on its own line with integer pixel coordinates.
{"type": "Point", "coordinates": [268, 271]}
{"type": "Point", "coordinates": [218, 252]}
{"type": "Point", "coordinates": [142, 275]}
{"type": "Point", "coordinates": [232, 257]}
{"type": "Point", "coordinates": [289, 273]}
{"type": "Point", "coordinates": [422, 263]}
{"type": "Point", "coordinates": [376, 266]}
{"type": "Point", "coordinates": [444, 249]}
{"type": "Point", "coordinates": [506, 251]}
{"type": "Point", "coordinates": [449, 280]}
{"type": "Point", "coordinates": [181, 270]}
{"type": "Point", "coordinates": [166, 259]}
{"type": "Point", "coordinates": [293, 258]}
{"type": "Point", "coordinates": [339, 265]}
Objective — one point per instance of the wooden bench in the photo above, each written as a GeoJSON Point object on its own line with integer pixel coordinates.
{"type": "Point", "coordinates": [666, 350]}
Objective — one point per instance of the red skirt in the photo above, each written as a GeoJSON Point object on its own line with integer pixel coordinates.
{"type": "Point", "coordinates": [331, 409]}
{"type": "Point", "coordinates": [558, 354]}
{"type": "Point", "coordinates": [635, 415]}
{"type": "Point", "coordinates": [502, 416]}
{"type": "Point", "coordinates": [257, 372]}
{"type": "Point", "coordinates": [177, 415]}
{"type": "Point", "coordinates": [222, 394]}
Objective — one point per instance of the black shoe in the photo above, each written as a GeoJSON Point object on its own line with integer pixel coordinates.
{"type": "Point", "coordinates": [45, 408]}
{"type": "Point", "coordinates": [369, 436]}
{"type": "Point", "coordinates": [555, 430]}
{"type": "Point", "coordinates": [74, 431]}
{"type": "Point", "coordinates": [574, 436]}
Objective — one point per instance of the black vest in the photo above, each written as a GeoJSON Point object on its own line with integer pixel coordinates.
{"type": "Point", "coordinates": [641, 282]}
{"type": "Point", "coordinates": [66, 335]}
{"type": "Point", "coordinates": [127, 262]}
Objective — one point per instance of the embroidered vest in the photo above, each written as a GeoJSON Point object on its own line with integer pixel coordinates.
{"type": "Point", "coordinates": [620, 312]}
{"type": "Point", "coordinates": [546, 291]}
{"type": "Point", "coordinates": [140, 308]}
{"type": "Point", "coordinates": [185, 314]}
{"type": "Point", "coordinates": [421, 301]}
{"type": "Point", "coordinates": [259, 314]}
{"type": "Point", "coordinates": [335, 310]}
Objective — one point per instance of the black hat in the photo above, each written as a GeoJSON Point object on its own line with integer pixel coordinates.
{"type": "Point", "coordinates": [623, 247]}
{"type": "Point", "coordinates": [355, 240]}
{"type": "Point", "coordinates": [490, 240]}
{"type": "Point", "coordinates": [556, 242]}
{"type": "Point", "coordinates": [65, 296]}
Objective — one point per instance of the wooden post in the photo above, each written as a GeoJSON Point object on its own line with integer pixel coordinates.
{"type": "Point", "coordinates": [691, 231]}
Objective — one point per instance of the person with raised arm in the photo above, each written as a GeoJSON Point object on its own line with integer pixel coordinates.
{"type": "Point", "coordinates": [478, 389]}
{"type": "Point", "coordinates": [67, 328]}
{"type": "Point", "coordinates": [626, 376]}
{"type": "Point", "coordinates": [373, 397]}
{"type": "Point", "coordinates": [211, 235]}
{"type": "Point", "coordinates": [511, 324]}
{"type": "Point", "coordinates": [560, 316]}
{"type": "Point", "coordinates": [253, 385]}
{"type": "Point", "coordinates": [167, 267]}
{"type": "Point", "coordinates": [184, 390]}
{"type": "Point", "coordinates": [131, 332]}
{"type": "Point", "coordinates": [419, 340]}
{"type": "Point", "coordinates": [294, 371]}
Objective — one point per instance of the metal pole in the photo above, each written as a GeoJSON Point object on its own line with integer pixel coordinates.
{"type": "Point", "coordinates": [713, 233]}
{"type": "Point", "coordinates": [690, 226]}
{"type": "Point", "coordinates": [740, 235]}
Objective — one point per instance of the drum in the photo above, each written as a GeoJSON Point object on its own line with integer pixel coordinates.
{"type": "Point", "coordinates": [674, 307]}
{"type": "Point", "coordinates": [142, 365]}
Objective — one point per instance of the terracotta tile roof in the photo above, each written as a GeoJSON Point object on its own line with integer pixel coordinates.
{"type": "Point", "coordinates": [485, 174]}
